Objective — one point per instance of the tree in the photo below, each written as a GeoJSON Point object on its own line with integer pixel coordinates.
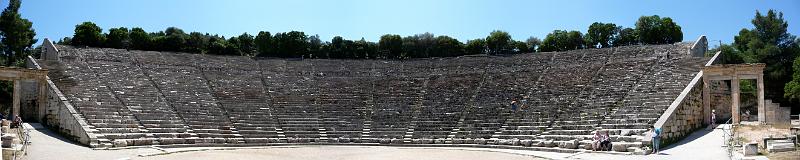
{"type": "Point", "coordinates": [217, 45]}
{"type": "Point", "coordinates": [291, 44]}
{"type": "Point", "coordinates": [625, 37]}
{"type": "Point", "coordinates": [770, 43]}
{"type": "Point", "coordinates": [792, 88]}
{"type": "Point", "coordinates": [601, 33]}
{"type": "Point", "coordinates": [447, 47]}
{"type": "Point", "coordinates": [197, 42]}
{"type": "Point", "coordinates": [499, 42]}
{"type": "Point", "coordinates": [314, 46]}
{"type": "Point", "coordinates": [88, 34]}
{"type": "Point", "coordinates": [533, 43]}
{"type": "Point", "coordinates": [475, 46]}
{"type": "Point", "coordinates": [17, 33]}
{"type": "Point", "coordinates": [118, 38]}
{"type": "Point", "coordinates": [521, 47]}
{"type": "Point", "coordinates": [560, 40]}
{"type": "Point", "coordinates": [264, 44]}
{"type": "Point", "coordinates": [729, 55]}
{"type": "Point", "coordinates": [246, 44]}
{"type": "Point", "coordinates": [657, 30]}
{"type": "Point", "coordinates": [391, 45]}
{"type": "Point", "coordinates": [174, 40]}
{"type": "Point", "coordinates": [140, 40]}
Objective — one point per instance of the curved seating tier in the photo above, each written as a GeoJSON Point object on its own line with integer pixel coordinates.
{"type": "Point", "coordinates": [145, 98]}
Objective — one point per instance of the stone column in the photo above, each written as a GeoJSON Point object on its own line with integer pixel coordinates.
{"type": "Point", "coordinates": [706, 101]}
{"type": "Point", "coordinates": [735, 100]}
{"type": "Point", "coordinates": [17, 93]}
{"type": "Point", "coordinates": [42, 99]}
{"type": "Point", "coordinates": [762, 110]}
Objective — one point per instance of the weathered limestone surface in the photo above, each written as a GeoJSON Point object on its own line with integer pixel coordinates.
{"type": "Point", "coordinates": [132, 98]}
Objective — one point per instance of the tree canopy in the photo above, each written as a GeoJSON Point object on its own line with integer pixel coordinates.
{"type": "Point", "coordinates": [390, 46]}
{"type": "Point", "coordinates": [561, 40]}
{"type": "Point", "coordinates": [17, 33]}
{"type": "Point", "coordinates": [658, 30]}
{"type": "Point", "coordinates": [601, 34]}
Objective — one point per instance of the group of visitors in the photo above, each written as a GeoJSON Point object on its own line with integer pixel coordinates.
{"type": "Point", "coordinates": [16, 121]}
{"type": "Point", "coordinates": [601, 141]}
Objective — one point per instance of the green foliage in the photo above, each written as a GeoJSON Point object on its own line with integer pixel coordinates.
{"type": "Point", "coordinates": [657, 30]}
{"type": "Point", "coordinates": [447, 47]}
{"type": "Point", "coordinates": [196, 42]}
{"type": "Point", "coordinates": [475, 46]}
{"type": "Point", "coordinates": [625, 37]}
{"type": "Point", "coordinates": [265, 44]}
{"type": "Point", "coordinates": [601, 33]}
{"type": "Point", "coordinates": [140, 40]}
{"type": "Point", "coordinates": [499, 42]}
{"type": "Point", "coordinates": [561, 40]}
{"type": "Point", "coordinates": [533, 43]}
{"type": "Point", "coordinates": [118, 38]}
{"type": "Point", "coordinates": [521, 47]}
{"type": "Point", "coordinates": [729, 55]}
{"type": "Point", "coordinates": [88, 34]}
{"type": "Point", "coordinates": [792, 88]}
{"type": "Point", "coordinates": [315, 46]}
{"type": "Point", "coordinates": [770, 43]}
{"type": "Point", "coordinates": [391, 45]}
{"type": "Point", "coordinates": [418, 45]}
{"type": "Point", "coordinates": [174, 40]}
{"type": "Point", "coordinates": [17, 33]}
{"type": "Point", "coordinates": [291, 44]}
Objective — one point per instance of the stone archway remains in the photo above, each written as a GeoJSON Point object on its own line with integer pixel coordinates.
{"type": "Point", "coordinates": [18, 75]}
{"type": "Point", "coordinates": [734, 72]}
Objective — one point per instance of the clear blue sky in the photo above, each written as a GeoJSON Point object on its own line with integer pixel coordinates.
{"type": "Point", "coordinates": [354, 19]}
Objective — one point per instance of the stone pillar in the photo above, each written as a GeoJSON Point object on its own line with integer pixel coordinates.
{"type": "Point", "coordinates": [706, 101]}
{"type": "Point", "coordinates": [762, 110]}
{"type": "Point", "coordinates": [42, 99]}
{"type": "Point", "coordinates": [735, 100]}
{"type": "Point", "coordinates": [17, 93]}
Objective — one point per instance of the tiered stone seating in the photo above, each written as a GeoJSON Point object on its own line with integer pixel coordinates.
{"type": "Point", "coordinates": [93, 97]}
{"type": "Point", "coordinates": [564, 96]}
{"type": "Point", "coordinates": [186, 88]}
{"type": "Point", "coordinates": [239, 89]}
{"type": "Point", "coordinates": [444, 104]}
{"type": "Point", "coordinates": [293, 87]}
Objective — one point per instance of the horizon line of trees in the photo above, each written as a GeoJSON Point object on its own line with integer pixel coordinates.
{"type": "Point", "coordinates": [649, 30]}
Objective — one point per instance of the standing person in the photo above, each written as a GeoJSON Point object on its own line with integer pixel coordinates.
{"type": "Point", "coordinates": [656, 139]}
{"type": "Point", "coordinates": [713, 120]}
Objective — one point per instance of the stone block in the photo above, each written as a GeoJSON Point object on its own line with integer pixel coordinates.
{"type": "Point", "coordinates": [8, 140]}
{"type": "Point", "coordinates": [619, 147]}
{"type": "Point", "coordinates": [480, 141]}
{"type": "Point", "coordinates": [526, 143]}
{"type": "Point", "coordinates": [120, 143]}
{"type": "Point", "coordinates": [573, 144]}
{"type": "Point", "coordinates": [750, 149]}
{"type": "Point", "coordinates": [550, 143]}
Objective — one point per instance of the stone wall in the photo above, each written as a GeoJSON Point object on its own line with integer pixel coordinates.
{"type": "Point", "coordinates": [684, 115]}
{"type": "Point", "coordinates": [777, 115]}
{"type": "Point", "coordinates": [699, 47]}
{"type": "Point", "coordinates": [62, 117]}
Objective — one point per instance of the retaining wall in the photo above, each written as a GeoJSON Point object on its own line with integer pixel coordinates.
{"type": "Point", "coordinates": [62, 117]}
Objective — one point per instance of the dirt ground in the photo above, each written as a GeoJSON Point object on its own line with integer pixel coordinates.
{"type": "Point", "coordinates": [342, 153]}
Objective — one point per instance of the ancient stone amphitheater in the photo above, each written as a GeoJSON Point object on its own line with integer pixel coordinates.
{"type": "Point", "coordinates": [130, 98]}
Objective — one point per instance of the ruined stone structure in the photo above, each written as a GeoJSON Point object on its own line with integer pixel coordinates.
{"type": "Point", "coordinates": [20, 76]}
{"type": "Point", "coordinates": [112, 97]}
